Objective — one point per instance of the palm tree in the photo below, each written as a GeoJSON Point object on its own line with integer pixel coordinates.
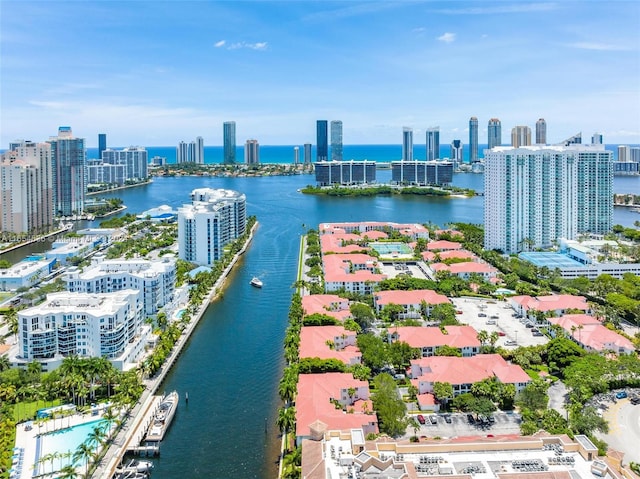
{"type": "Point", "coordinates": [68, 472]}
{"type": "Point", "coordinates": [83, 454]}
{"type": "Point", "coordinates": [96, 437]}
{"type": "Point", "coordinates": [286, 421]}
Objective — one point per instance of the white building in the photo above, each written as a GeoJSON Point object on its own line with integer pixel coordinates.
{"type": "Point", "coordinates": [155, 279]}
{"type": "Point", "coordinates": [135, 160]}
{"type": "Point", "coordinates": [537, 194]}
{"type": "Point", "coordinates": [26, 188]}
{"type": "Point", "coordinates": [25, 274]}
{"type": "Point", "coordinates": [213, 219]}
{"type": "Point", "coordinates": [83, 324]}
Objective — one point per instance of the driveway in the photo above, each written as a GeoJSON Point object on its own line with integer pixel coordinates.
{"type": "Point", "coordinates": [558, 397]}
{"type": "Point", "coordinates": [504, 423]}
{"type": "Point", "coordinates": [624, 429]}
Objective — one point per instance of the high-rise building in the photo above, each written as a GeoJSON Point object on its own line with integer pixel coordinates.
{"type": "Point", "coordinates": [102, 144]}
{"type": "Point", "coordinates": [473, 139]}
{"type": "Point", "coordinates": [597, 139]}
{"type": "Point", "coordinates": [229, 138]}
{"type": "Point", "coordinates": [252, 152]}
{"type": "Point", "coordinates": [433, 143]}
{"type": "Point", "coordinates": [322, 140]}
{"type": "Point", "coordinates": [407, 144]}
{"type": "Point", "coordinates": [520, 136]}
{"type": "Point", "coordinates": [296, 155]}
{"type": "Point", "coordinates": [574, 140]}
{"type": "Point", "coordinates": [350, 172]}
{"type": "Point", "coordinates": [494, 133]}
{"type": "Point", "coordinates": [421, 173]}
{"type": "Point", "coordinates": [457, 151]}
{"type": "Point", "coordinates": [307, 153]}
{"type": "Point", "coordinates": [26, 188]}
{"type": "Point", "coordinates": [541, 132]}
{"type": "Point", "coordinates": [134, 158]}
{"type": "Point", "coordinates": [68, 159]}
{"type": "Point", "coordinates": [87, 325]}
{"type": "Point", "coordinates": [537, 194]}
{"type": "Point", "coordinates": [182, 153]}
{"type": "Point", "coordinates": [336, 140]}
{"type": "Point", "coordinates": [212, 220]}
{"type": "Point", "coordinates": [199, 151]}
{"type": "Point", "coordinates": [623, 153]}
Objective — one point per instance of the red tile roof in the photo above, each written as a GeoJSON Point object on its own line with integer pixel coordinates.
{"type": "Point", "coordinates": [552, 302]}
{"type": "Point", "coordinates": [431, 336]}
{"type": "Point", "coordinates": [428, 255]}
{"type": "Point", "coordinates": [313, 344]}
{"type": "Point", "coordinates": [467, 370]}
{"type": "Point", "coordinates": [457, 254]}
{"type": "Point", "coordinates": [329, 304]}
{"type": "Point", "coordinates": [336, 268]}
{"type": "Point", "coordinates": [409, 297]}
{"type": "Point", "coordinates": [443, 245]}
{"type": "Point", "coordinates": [590, 332]}
{"type": "Point", "coordinates": [336, 243]}
{"type": "Point", "coordinates": [313, 402]}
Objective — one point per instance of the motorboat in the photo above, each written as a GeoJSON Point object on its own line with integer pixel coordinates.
{"type": "Point", "coordinates": [255, 282]}
{"type": "Point", "coordinates": [162, 418]}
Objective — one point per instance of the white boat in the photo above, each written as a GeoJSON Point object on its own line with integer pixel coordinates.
{"type": "Point", "coordinates": [256, 282]}
{"type": "Point", "coordinates": [140, 467]}
{"type": "Point", "coordinates": [162, 419]}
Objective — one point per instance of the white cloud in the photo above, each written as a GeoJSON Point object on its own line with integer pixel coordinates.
{"type": "Point", "coordinates": [515, 8]}
{"type": "Point", "coordinates": [447, 37]}
{"type": "Point", "coordinates": [251, 46]}
{"type": "Point", "coordinates": [597, 46]}
{"type": "Point", "coordinates": [219, 44]}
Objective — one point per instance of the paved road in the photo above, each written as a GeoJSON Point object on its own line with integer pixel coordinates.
{"type": "Point", "coordinates": [624, 429]}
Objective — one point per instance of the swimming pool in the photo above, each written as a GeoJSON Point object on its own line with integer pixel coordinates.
{"type": "Point", "coordinates": [62, 443]}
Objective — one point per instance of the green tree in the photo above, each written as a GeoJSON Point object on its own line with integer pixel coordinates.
{"type": "Point", "coordinates": [561, 352]}
{"type": "Point", "coordinates": [362, 314]}
{"type": "Point", "coordinates": [446, 350]}
{"type": "Point", "coordinates": [443, 392]}
{"type": "Point", "coordinates": [390, 408]}
{"type": "Point", "coordinates": [444, 313]}
{"type": "Point", "coordinates": [534, 396]}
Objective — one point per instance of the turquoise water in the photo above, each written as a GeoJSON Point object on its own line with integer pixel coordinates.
{"type": "Point", "coordinates": [63, 441]}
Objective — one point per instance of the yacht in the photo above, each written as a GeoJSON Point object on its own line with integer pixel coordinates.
{"type": "Point", "coordinates": [162, 419]}
{"type": "Point", "coordinates": [255, 281]}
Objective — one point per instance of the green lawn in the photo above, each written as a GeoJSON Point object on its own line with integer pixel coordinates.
{"type": "Point", "coordinates": [24, 411]}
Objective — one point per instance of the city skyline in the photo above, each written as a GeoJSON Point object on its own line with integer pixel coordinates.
{"type": "Point", "coordinates": [127, 76]}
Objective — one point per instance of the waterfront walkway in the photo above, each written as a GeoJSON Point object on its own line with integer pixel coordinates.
{"type": "Point", "coordinates": [130, 432]}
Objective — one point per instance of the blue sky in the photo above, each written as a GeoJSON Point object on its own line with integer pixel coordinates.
{"type": "Point", "coordinates": [154, 73]}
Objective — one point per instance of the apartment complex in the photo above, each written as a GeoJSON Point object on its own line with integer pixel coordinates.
{"type": "Point", "coordinates": [336, 140]}
{"type": "Point", "coordinates": [118, 166]}
{"type": "Point", "coordinates": [537, 194]}
{"type": "Point", "coordinates": [229, 142]}
{"type": "Point", "coordinates": [107, 325]}
{"type": "Point", "coordinates": [156, 280]}
{"type": "Point", "coordinates": [213, 219]}
{"type": "Point", "coordinates": [68, 161]}
{"type": "Point", "coordinates": [421, 173]}
{"type": "Point", "coordinates": [345, 172]}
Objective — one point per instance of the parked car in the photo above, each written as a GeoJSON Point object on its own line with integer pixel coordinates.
{"type": "Point", "coordinates": [494, 317]}
{"type": "Point", "coordinates": [491, 321]}
{"type": "Point", "coordinates": [420, 419]}
{"type": "Point", "coordinates": [529, 325]}
{"type": "Point", "coordinates": [621, 394]}
{"type": "Point", "coordinates": [433, 419]}
{"type": "Point", "coordinates": [501, 333]}
{"type": "Point", "coordinates": [458, 312]}
{"type": "Point", "coordinates": [482, 315]}
{"type": "Point", "coordinates": [447, 418]}
{"type": "Point", "coordinates": [511, 342]}
{"type": "Point", "coordinates": [470, 419]}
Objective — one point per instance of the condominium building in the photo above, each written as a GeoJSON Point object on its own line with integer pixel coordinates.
{"type": "Point", "coordinates": [296, 155]}
{"type": "Point", "coordinates": [520, 136]}
{"type": "Point", "coordinates": [537, 194]}
{"type": "Point", "coordinates": [345, 172]}
{"type": "Point", "coordinates": [336, 140]}
{"type": "Point", "coordinates": [473, 139]}
{"type": "Point", "coordinates": [86, 325]}
{"type": "Point", "coordinates": [494, 133]}
{"type": "Point", "coordinates": [68, 159]}
{"type": "Point", "coordinates": [26, 188]}
{"type": "Point", "coordinates": [322, 140]}
{"type": "Point", "coordinates": [192, 152]}
{"type": "Point", "coordinates": [134, 158]}
{"type": "Point", "coordinates": [252, 152]}
{"type": "Point", "coordinates": [457, 152]}
{"type": "Point", "coordinates": [229, 139]}
{"type": "Point", "coordinates": [433, 143]}
{"type": "Point", "coordinates": [102, 143]}
{"type": "Point", "coordinates": [99, 173]}
{"type": "Point", "coordinates": [213, 219]}
{"type": "Point", "coordinates": [541, 132]}
{"type": "Point", "coordinates": [307, 153]}
{"type": "Point", "coordinates": [421, 173]}
{"type": "Point", "coordinates": [597, 139]}
{"type": "Point", "coordinates": [407, 144]}
{"type": "Point", "coordinates": [624, 153]}
{"type": "Point", "coordinates": [155, 279]}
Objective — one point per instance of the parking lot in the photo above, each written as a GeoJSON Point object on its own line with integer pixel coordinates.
{"type": "Point", "coordinates": [503, 423]}
{"type": "Point", "coordinates": [394, 269]}
{"type": "Point", "coordinates": [493, 315]}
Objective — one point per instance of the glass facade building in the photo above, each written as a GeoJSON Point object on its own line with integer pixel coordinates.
{"type": "Point", "coordinates": [473, 139]}
{"type": "Point", "coordinates": [433, 143]}
{"type": "Point", "coordinates": [68, 160]}
{"type": "Point", "coordinates": [407, 144]}
{"type": "Point", "coordinates": [494, 133]}
{"type": "Point", "coordinates": [336, 140]}
{"type": "Point", "coordinates": [421, 173]}
{"type": "Point", "coordinates": [322, 140]}
{"type": "Point", "coordinates": [345, 172]}
{"type": "Point", "coordinates": [229, 142]}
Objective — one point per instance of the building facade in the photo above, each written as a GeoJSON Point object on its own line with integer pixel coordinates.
{"type": "Point", "coordinates": [252, 152]}
{"type": "Point", "coordinates": [473, 139]}
{"type": "Point", "coordinates": [433, 143]}
{"type": "Point", "coordinates": [457, 152]}
{"type": "Point", "coordinates": [351, 172]}
{"type": "Point", "coordinates": [155, 280]}
{"type": "Point", "coordinates": [597, 139]}
{"type": "Point", "coordinates": [86, 325]}
{"type": "Point", "coordinates": [336, 140]}
{"type": "Point", "coordinates": [520, 136]}
{"type": "Point", "coordinates": [308, 153]}
{"type": "Point", "coordinates": [537, 194]}
{"type": "Point", "coordinates": [421, 173]}
{"type": "Point", "coordinates": [407, 144]}
{"type": "Point", "coordinates": [541, 132]}
{"type": "Point", "coordinates": [26, 188]}
{"type": "Point", "coordinates": [68, 159]}
{"type": "Point", "coordinates": [135, 160]}
{"type": "Point", "coordinates": [494, 133]}
{"type": "Point", "coordinates": [322, 141]}
{"type": "Point", "coordinates": [296, 155]}
{"type": "Point", "coordinates": [213, 219]}
{"type": "Point", "coordinates": [102, 144]}
{"type": "Point", "coordinates": [229, 142]}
